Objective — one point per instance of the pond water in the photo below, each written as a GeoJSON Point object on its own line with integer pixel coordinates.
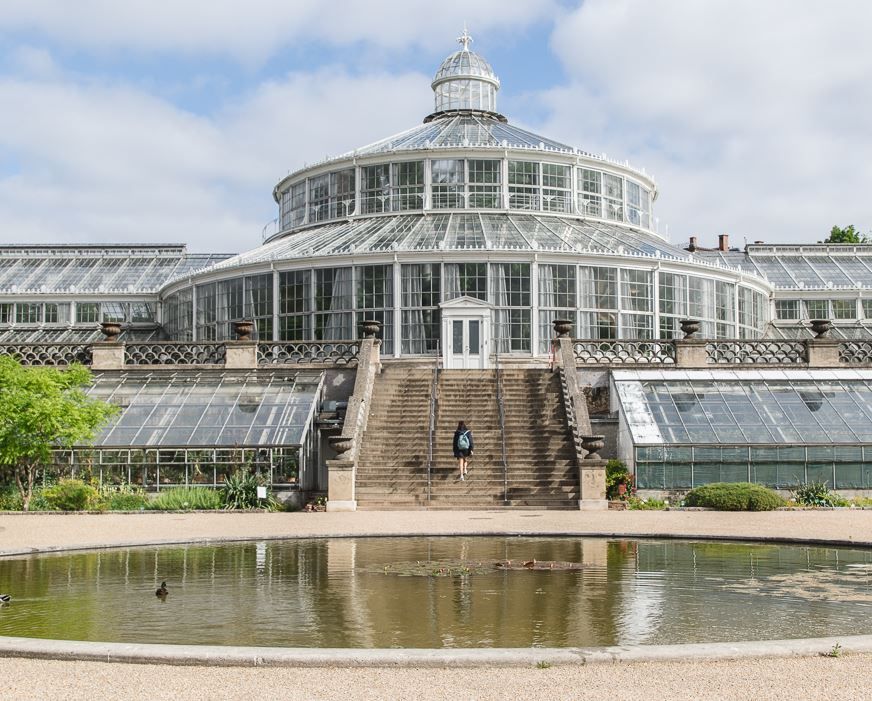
{"type": "Point", "coordinates": [441, 593]}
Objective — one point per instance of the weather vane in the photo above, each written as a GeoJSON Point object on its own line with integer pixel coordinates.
{"type": "Point", "coordinates": [465, 38]}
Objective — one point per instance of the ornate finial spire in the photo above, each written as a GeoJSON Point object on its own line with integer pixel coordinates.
{"type": "Point", "coordinates": [465, 38]}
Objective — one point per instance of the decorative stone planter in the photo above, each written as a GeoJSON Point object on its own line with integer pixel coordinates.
{"type": "Point", "coordinates": [562, 327]}
{"type": "Point", "coordinates": [341, 444]}
{"type": "Point", "coordinates": [689, 327]}
{"type": "Point", "coordinates": [243, 330]}
{"type": "Point", "coordinates": [370, 328]}
{"type": "Point", "coordinates": [111, 330]}
{"type": "Point", "coordinates": [593, 444]}
{"type": "Point", "coordinates": [821, 327]}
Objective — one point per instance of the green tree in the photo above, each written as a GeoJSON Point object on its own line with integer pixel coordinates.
{"type": "Point", "coordinates": [43, 409]}
{"type": "Point", "coordinates": [847, 235]}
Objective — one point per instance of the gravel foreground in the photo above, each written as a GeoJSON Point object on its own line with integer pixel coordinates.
{"type": "Point", "coordinates": [845, 677]}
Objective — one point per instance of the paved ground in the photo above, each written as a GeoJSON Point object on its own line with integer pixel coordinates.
{"type": "Point", "coordinates": [810, 677]}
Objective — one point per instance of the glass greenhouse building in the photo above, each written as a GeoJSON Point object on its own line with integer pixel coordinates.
{"type": "Point", "coordinates": [466, 237]}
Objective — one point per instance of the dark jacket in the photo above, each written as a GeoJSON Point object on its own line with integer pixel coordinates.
{"type": "Point", "coordinates": [457, 453]}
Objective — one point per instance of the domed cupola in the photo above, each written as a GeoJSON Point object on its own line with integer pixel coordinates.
{"type": "Point", "coordinates": [465, 81]}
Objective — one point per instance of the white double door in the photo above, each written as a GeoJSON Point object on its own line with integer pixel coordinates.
{"type": "Point", "coordinates": [466, 343]}
{"type": "Point", "coordinates": [466, 325]}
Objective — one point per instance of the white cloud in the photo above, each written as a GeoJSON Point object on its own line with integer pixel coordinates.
{"type": "Point", "coordinates": [255, 29]}
{"type": "Point", "coordinates": [102, 163]}
{"type": "Point", "coordinates": [753, 116]}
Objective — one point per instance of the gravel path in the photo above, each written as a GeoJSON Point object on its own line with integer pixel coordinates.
{"type": "Point", "coordinates": [847, 677]}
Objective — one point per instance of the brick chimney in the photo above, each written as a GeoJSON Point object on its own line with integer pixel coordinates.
{"type": "Point", "coordinates": [724, 242]}
{"type": "Point", "coordinates": [692, 245]}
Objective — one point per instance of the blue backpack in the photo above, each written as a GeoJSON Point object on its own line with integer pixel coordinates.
{"type": "Point", "coordinates": [463, 441]}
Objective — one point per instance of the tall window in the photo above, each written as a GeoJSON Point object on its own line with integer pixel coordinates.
{"type": "Point", "coordinates": [319, 198]}
{"type": "Point", "coordinates": [636, 297]}
{"type": "Point", "coordinates": [408, 185]}
{"type": "Point", "coordinates": [294, 305]}
{"type": "Point", "coordinates": [333, 304]}
{"type": "Point", "coordinates": [259, 304]}
{"type": "Point", "coordinates": [524, 189]}
{"type": "Point", "coordinates": [557, 300]}
{"type": "Point", "coordinates": [556, 186]}
{"type": "Point", "coordinates": [484, 184]}
{"type": "Point", "coordinates": [374, 299]}
{"type": "Point", "coordinates": [511, 297]}
{"type": "Point", "coordinates": [725, 315]}
{"type": "Point", "coordinates": [207, 298]}
{"type": "Point", "coordinates": [447, 184]}
{"type": "Point", "coordinates": [599, 302]}
{"type": "Point", "coordinates": [590, 201]}
{"type": "Point", "coordinates": [420, 308]}
{"type": "Point", "coordinates": [342, 193]}
{"type": "Point", "coordinates": [673, 304]}
{"type": "Point", "coordinates": [6, 311]}
{"type": "Point", "coordinates": [613, 197]}
{"type": "Point", "coordinates": [376, 190]}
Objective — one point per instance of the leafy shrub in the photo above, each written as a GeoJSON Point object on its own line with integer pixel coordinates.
{"type": "Point", "coordinates": [734, 496]}
{"type": "Point", "coordinates": [124, 497]}
{"type": "Point", "coordinates": [617, 473]}
{"type": "Point", "coordinates": [240, 492]}
{"type": "Point", "coordinates": [186, 499]}
{"type": "Point", "coordinates": [645, 504]}
{"type": "Point", "coordinates": [10, 499]}
{"type": "Point", "coordinates": [816, 494]}
{"type": "Point", "coordinates": [71, 495]}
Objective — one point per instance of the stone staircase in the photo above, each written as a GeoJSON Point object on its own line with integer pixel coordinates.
{"type": "Point", "coordinates": [392, 466]}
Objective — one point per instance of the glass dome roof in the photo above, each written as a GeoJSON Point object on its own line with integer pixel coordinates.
{"type": "Point", "coordinates": [464, 64]}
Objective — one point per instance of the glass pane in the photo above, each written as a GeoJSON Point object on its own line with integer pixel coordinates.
{"type": "Point", "coordinates": [474, 341]}
{"type": "Point", "coordinates": [457, 337]}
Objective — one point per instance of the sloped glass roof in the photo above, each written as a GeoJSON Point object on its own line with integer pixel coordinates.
{"type": "Point", "coordinates": [207, 409]}
{"type": "Point", "coordinates": [765, 407]}
{"type": "Point", "coordinates": [467, 130]}
{"type": "Point", "coordinates": [67, 334]}
{"type": "Point", "coordinates": [803, 330]}
{"type": "Point", "coordinates": [806, 268]}
{"type": "Point", "coordinates": [461, 231]}
{"type": "Point", "coordinates": [95, 269]}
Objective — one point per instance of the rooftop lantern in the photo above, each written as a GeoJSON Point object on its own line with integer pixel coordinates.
{"type": "Point", "coordinates": [465, 82]}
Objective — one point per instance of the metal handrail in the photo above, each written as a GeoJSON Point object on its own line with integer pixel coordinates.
{"type": "Point", "coordinates": [502, 413]}
{"type": "Point", "coordinates": [432, 431]}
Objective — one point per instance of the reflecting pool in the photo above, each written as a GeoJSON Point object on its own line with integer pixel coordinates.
{"type": "Point", "coordinates": [441, 593]}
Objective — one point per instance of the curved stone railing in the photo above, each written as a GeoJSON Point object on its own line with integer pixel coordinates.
{"type": "Point", "coordinates": [308, 352]}
{"type": "Point", "coordinates": [623, 352]}
{"type": "Point", "coordinates": [56, 354]}
{"type": "Point", "coordinates": [756, 352]}
{"type": "Point", "coordinates": [855, 352]}
{"type": "Point", "coordinates": [171, 353]}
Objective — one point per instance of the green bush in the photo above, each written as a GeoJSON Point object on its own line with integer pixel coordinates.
{"type": "Point", "coordinates": [240, 492]}
{"type": "Point", "coordinates": [635, 503]}
{"type": "Point", "coordinates": [10, 499]}
{"type": "Point", "coordinates": [71, 495]}
{"type": "Point", "coordinates": [617, 473]}
{"type": "Point", "coordinates": [186, 499]}
{"type": "Point", "coordinates": [817, 494]}
{"type": "Point", "coordinates": [734, 496]}
{"type": "Point", "coordinates": [123, 497]}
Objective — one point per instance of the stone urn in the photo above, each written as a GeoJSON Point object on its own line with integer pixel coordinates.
{"type": "Point", "coordinates": [593, 444]}
{"type": "Point", "coordinates": [111, 330]}
{"type": "Point", "coordinates": [243, 330]}
{"type": "Point", "coordinates": [370, 328]}
{"type": "Point", "coordinates": [340, 444]}
{"type": "Point", "coordinates": [689, 327]}
{"type": "Point", "coordinates": [562, 327]}
{"type": "Point", "coordinates": [821, 327]}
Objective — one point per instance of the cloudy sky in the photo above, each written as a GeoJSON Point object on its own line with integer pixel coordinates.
{"type": "Point", "coordinates": [171, 120]}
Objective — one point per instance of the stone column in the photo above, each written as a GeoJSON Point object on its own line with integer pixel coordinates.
{"type": "Point", "coordinates": [592, 477]}
{"type": "Point", "coordinates": [690, 353]}
{"type": "Point", "coordinates": [241, 355]}
{"type": "Point", "coordinates": [823, 353]}
{"type": "Point", "coordinates": [107, 356]}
